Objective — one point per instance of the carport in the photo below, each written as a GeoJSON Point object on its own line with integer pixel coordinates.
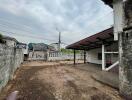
{"type": "Point", "coordinates": [99, 40]}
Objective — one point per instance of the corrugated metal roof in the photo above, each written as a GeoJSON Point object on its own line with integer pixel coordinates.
{"type": "Point", "coordinates": [94, 41]}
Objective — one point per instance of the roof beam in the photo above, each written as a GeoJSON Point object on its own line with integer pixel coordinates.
{"type": "Point", "coordinates": [87, 47]}
{"type": "Point", "coordinates": [92, 43]}
{"type": "Point", "coordinates": [112, 35]}
{"type": "Point", "coordinates": [103, 40]}
{"type": "Point", "coordinates": [100, 39]}
{"type": "Point", "coordinates": [106, 42]}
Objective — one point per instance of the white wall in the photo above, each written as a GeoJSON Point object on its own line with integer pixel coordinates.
{"type": "Point", "coordinates": [37, 55]}
{"type": "Point", "coordinates": [53, 56]}
{"type": "Point", "coordinates": [92, 56]}
{"type": "Point", "coordinates": [25, 50]}
{"type": "Point", "coordinates": [118, 17]}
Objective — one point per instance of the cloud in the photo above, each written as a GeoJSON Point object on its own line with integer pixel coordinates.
{"type": "Point", "coordinates": [76, 19]}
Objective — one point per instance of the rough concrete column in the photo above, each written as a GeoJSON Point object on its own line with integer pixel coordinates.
{"type": "Point", "coordinates": [125, 53]}
{"type": "Point", "coordinates": [125, 69]}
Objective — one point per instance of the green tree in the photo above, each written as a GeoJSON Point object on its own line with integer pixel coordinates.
{"type": "Point", "coordinates": [1, 38]}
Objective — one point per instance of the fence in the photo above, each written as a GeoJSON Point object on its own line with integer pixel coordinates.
{"type": "Point", "coordinates": [52, 56]}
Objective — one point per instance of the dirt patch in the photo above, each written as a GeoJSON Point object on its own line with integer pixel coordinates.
{"type": "Point", "coordinates": [57, 82]}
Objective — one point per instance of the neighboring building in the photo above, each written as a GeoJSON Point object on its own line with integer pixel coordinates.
{"type": "Point", "coordinates": [9, 41]}
{"type": "Point", "coordinates": [38, 51]}
{"type": "Point", "coordinates": [24, 48]}
{"type": "Point", "coordinates": [56, 46]}
{"type": "Point", "coordinates": [51, 48]}
{"type": "Point", "coordinates": [100, 48]}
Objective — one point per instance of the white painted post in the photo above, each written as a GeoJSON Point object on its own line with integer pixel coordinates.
{"type": "Point", "coordinates": [103, 57]}
{"type": "Point", "coordinates": [118, 17]}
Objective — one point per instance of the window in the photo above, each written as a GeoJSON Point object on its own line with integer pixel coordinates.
{"type": "Point", "coordinates": [99, 56]}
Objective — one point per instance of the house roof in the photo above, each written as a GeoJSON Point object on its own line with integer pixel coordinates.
{"type": "Point", "coordinates": [9, 38]}
{"type": "Point", "coordinates": [38, 46]}
{"type": "Point", "coordinates": [105, 37]}
{"type": "Point", "coordinates": [20, 43]}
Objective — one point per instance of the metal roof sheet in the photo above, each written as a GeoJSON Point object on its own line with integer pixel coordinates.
{"type": "Point", "coordinates": [94, 41]}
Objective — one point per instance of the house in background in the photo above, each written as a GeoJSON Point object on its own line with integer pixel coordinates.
{"type": "Point", "coordinates": [24, 48]}
{"type": "Point", "coordinates": [56, 46]}
{"type": "Point", "coordinates": [9, 41]}
{"type": "Point", "coordinates": [38, 51]}
{"type": "Point", "coordinates": [99, 48]}
{"type": "Point", "coordinates": [12, 42]}
{"type": "Point", "coordinates": [51, 48]}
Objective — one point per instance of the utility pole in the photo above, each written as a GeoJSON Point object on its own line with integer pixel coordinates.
{"type": "Point", "coordinates": [59, 42]}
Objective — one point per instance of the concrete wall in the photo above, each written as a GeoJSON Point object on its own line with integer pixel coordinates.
{"type": "Point", "coordinates": [128, 13]}
{"type": "Point", "coordinates": [125, 69]}
{"type": "Point", "coordinates": [53, 56]}
{"type": "Point", "coordinates": [125, 53]}
{"type": "Point", "coordinates": [37, 55]}
{"type": "Point", "coordinates": [10, 60]}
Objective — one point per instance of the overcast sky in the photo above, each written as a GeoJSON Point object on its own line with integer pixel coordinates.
{"type": "Point", "coordinates": [40, 20]}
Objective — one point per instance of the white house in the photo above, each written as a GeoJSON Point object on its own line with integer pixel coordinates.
{"type": "Point", "coordinates": [55, 45]}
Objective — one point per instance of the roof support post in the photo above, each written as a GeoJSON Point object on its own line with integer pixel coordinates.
{"type": "Point", "coordinates": [74, 57]}
{"type": "Point", "coordinates": [84, 56]}
{"type": "Point", "coordinates": [125, 65]}
{"type": "Point", "coordinates": [103, 57]}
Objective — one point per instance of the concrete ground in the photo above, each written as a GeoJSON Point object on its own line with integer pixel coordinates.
{"type": "Point", "coordinates": [105, 77]}
{"type": "Point", "coordinates": [59, 81]}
